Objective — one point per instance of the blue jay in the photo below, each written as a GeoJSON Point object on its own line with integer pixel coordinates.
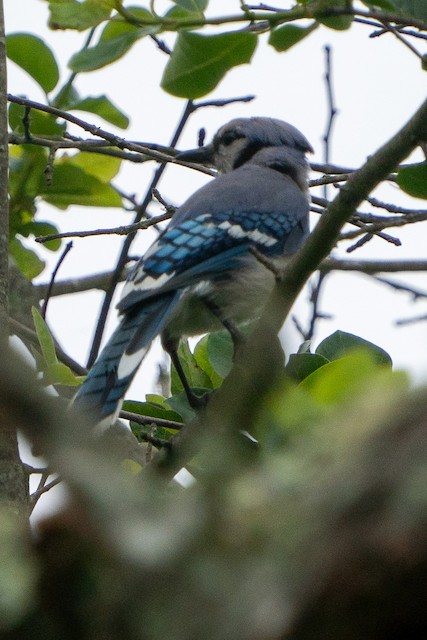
{"type": "Point", "coordinates": [201, 274]}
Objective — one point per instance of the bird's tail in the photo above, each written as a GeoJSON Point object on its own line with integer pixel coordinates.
{"type": "Point", "coordinates": [109, 378]}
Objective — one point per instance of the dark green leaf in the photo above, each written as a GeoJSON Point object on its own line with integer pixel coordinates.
{"type": "Point", "coordinates": [39, 228]}
{"type": "Point", "coordinates": [336, 22]}
{"type": "Point", "coordinates": [220, 350]}
{"type": "Point", "coordinates": [45, 339]}
{"type": "Point", "coordinates": [178, 13]}
{"type": "Point", "coordinates": [199, 62]}
{"type": "Point", "coordinates": [194, 6]}
{"type": "Point", "coordinates": [195, 376]}
{"type": "Point", "coordinates": [388, 5]}
{"type": "Point", "coordinates": [151, 409]}
{"type": "Point", "coordinates": [340, 343]}
{"type": "Point", "coordinates": [27, 261]}
{"type": "Point", "coordinates": [413, 180]}
{"type": "Point", "coordinates": [102, 107]}
{"type": "Point", "coordinates": [301, 365]}
{"type": "Point", "coordinates": [305, 347]}
{"type": "Point", "coordinates": [35, 57]}
{"type": "Point", "coordinates": [66, 96]}
{"type": "Point", "coordinates": [42, 124]}
{"type": "Point", "coordinates": [139, 430]}
{"type": "Point", "coordinates": [118, 25]}
{"type": "Point", "coordinates": [72, 185]}
{"type": "Point", "coordinates": [27, 166]}
{"type": "Point", "coordinates": [108, 50]}
{"type": "Point", "coordinates": [413, 8]}
{"type": "Point", "coordinates": [70, 14]}
{"type": "Point", "coordinates": [285, 37]}
{"type": "Point", "coordinates": [179, 403]}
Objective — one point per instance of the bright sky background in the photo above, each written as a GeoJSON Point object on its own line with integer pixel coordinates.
{"type": "Point", "coordinates": [378, 84]}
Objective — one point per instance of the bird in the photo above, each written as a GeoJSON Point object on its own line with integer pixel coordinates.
{"type": "Point", "coordinates": [203, 273]}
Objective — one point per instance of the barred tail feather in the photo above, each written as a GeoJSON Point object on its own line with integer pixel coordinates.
{"type": "Point", "coordinates": [111, 375]}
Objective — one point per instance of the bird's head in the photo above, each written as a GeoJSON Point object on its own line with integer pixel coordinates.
{"type": "Point", "coordinates": [243, 139]}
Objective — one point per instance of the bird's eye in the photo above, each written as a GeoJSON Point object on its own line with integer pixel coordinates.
{"type": "Point", "coordinates": [228, 138]}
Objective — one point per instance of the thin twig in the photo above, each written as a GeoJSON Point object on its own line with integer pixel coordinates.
{"type": "Point", "coordinates": [41, 490]}
{"type": "Point", "coordinates": [415, 293]}
{"type": "Point", "coordinates": [315, 301]}
{"type": "Point", "coordinates": [405, 321]}
{"type": "Point", "coordinates": [397, 34]}
{"type": "Point", "coordinates": [120, 231]}
{"type": "Point", "coordinates": [116, 141]}
{"type": "Point", "coordinates": [52, 280]}
{"type": "Point", "coordinates": [143, 420]}
{"type": "Point", "coordinates": [332, 110]}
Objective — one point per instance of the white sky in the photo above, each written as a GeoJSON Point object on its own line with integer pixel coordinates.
{"type": "Point", "coordinates": [378, 84]}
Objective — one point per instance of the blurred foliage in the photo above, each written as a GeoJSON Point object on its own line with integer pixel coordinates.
{"type": "Point", "coordinates": [246, 549]}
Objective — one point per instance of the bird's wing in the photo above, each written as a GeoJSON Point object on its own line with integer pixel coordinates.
{"type": "Point", "coordinates": [197, 246]}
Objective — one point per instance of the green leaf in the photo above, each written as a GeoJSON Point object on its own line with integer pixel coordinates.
{"type": "Point", "coordinates": [339, 380]}
{"type": "Point", "coordinates": [26, 260]}
{"type": "Point", "coordinates": [413, 180]}
{"type": "Point", "coordinates": [202, 359]}
{"type": "Point", "coordinates": [220, 351]}
{"type": "Point", "coordinates": [301, 365]}
{"type": "Point", "coordinates": [105, 168]}
{"type": "Point", "coordinates": [337, 22]}
{"type": "Point", "coordinates": [41, 124]}
{"type": "Point", "coordinates": [55, 372]}
{"type": "Point", "coordinates": [65, 97]}
{"type": "Point", "coordinates": [118, 25]}
{"type": "Point", "coordinates": [413, 8]}
{"type": "Point", "coordinates": [108, 50]}
{"type": "Point", "coordinates": [27, 166]}
{"type": "Point", "coordinates": [382, 4]}
{"type": "Point", "coordinates": [285, 37]}
{"type": "Point", "coordinates": [199, 62]}
{"type": "Point", "coordinates": [45, 339]}
{"type": "Point", "coordinates": [340, 343]}
{"type": "Point", "coordinates": [179, 402]}
{"type": "Point", "coordinates": [153, 409]}
{"type": "Point", "coordinates": [70, 14]}
{"type": "Point", "coordinates": [195, 376]}
{"type": "Point", "coordinates": [59, 373]}
{"type": "Point", "coordinates": [39, 228]}
{"type": "Point", "coordinates": [102, 107]}
{"type": "Point", "coordinates": [72, 185]}
{"type": "Point", "coordinates": [195, 6]}
{"type": "Point", "coordinates": [35, 57]}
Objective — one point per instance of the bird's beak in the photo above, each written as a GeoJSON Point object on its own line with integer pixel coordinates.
{"type": "Point", "coordinates": [202, 155]}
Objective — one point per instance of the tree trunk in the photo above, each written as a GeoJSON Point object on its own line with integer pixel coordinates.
{"type": "Point", "coordinates": [13, 480]}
